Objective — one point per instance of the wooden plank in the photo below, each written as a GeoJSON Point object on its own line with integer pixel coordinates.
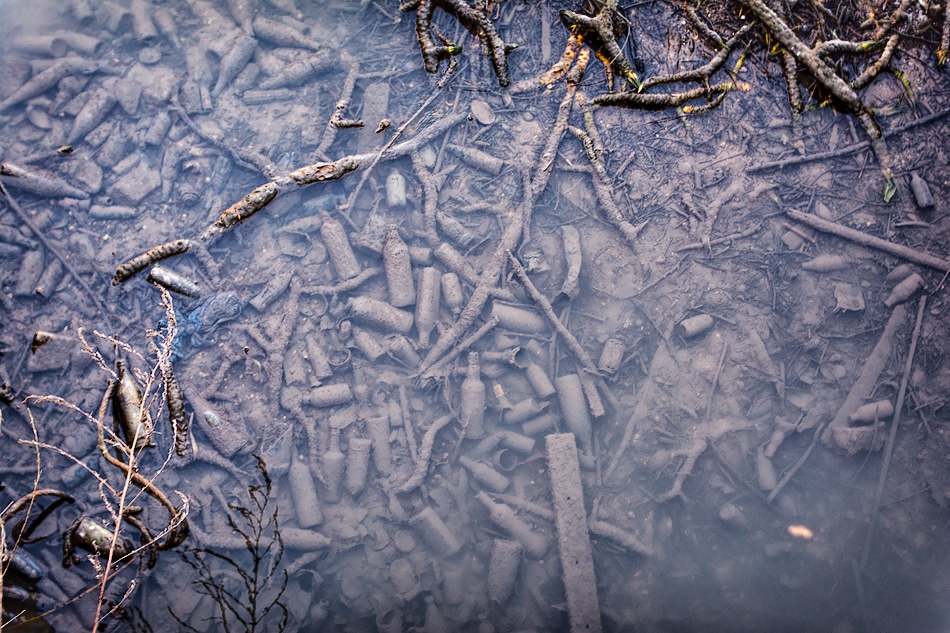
{"type": "Point", "coordinates": [573, 539]}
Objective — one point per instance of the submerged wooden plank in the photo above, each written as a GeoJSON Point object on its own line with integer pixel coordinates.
{"type": "Point", "coordinates": [573, 539]}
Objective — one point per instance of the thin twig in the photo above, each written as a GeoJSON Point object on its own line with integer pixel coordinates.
{"type": "Point", "coordinates": [443, 81]}
{"type": "Point", "coordinates": [850, 149]}
{"type": "Point", "coordinates": [106, 309]}
{"type": "Point", "coordinates": [464, 345]}
{"type": "Point", "coordinates": [572, 343]}
{"type": "Point", "coordinates": [787, 477]}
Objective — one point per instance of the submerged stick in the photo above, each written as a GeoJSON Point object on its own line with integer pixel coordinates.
{"type": "Point", "coordinates": [52, 249]}
{"type": "Point", "coordinates": [572, 343]}
{"type": "Point", "coordinates": [897, 250]}
{"type": "Point", "coordinates": [872, 369]}
{"type": "Point", "coordinates": [787, 477]}
{"type": "Point", "coordinates": [329, 133]}
{"type": "Point", "coordinates": [470, 340]}
{"type": "Point", "coordinates": [425, 454]}
{"type": "Point", "coordinates": [850, 149]}
{"type": "Point", "coordinates": [892, 434]}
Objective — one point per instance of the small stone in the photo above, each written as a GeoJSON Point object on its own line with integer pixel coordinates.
{"type": "Point", "coordinates": [733, 517]}
{"type": "Point", "coordinates": [824, 212]}
{"type": "Point", "coordinates": [482, 112]}
{"type": "Point", "coordinates": [849, 297]}
{"type": "Point", "coordinates": [134, 186]}
{"type": "Point", "coordinates": [38, 116]}
{"type": "Point", "coordinates": [792, 240]}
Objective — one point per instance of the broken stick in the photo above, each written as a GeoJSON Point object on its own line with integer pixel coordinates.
{"type": "Point", "coordinates": [892, 433]}
{"type": "Point", "coordinates": [590, 390]}
{"type": "Point", "coordinates": [858, 237]}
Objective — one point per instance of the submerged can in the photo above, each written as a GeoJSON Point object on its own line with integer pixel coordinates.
{"type": "Point", "coordinates": [612, 356]}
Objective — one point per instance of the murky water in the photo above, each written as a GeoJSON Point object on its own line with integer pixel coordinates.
{"type": "Point", "coordinates": [379, 409]}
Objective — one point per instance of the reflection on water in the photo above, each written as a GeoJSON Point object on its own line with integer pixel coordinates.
{"type": "Point", "coordinates": [416, 474]}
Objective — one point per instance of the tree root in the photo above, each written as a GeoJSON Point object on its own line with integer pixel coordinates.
{"type": "Point", "coordinates": [825, 75]}
{"type": "Point", "coordinates": [516, 227]}
{"type": "Point", "coordinates": [603, 190]}
{"type": "Point", "coordinates": [692, 453]}
{"type": "Point", "coordinates": [598, 33]}
{"type": "Point", "coordinates": [542, 302]}
{"type": "Point", "coordinates": [661, 101]}
{"type": "Point", "coordinates": [944, 51]}
{"type": "Point", "coordinates": [476, 19]}
{"type": "Point", "coordinates": [430, 199]}
{"type": "Point", "coordinates": [270, 191]}
{"type": "Point", "coordinates": [344, 286]}
{"type": "Point", "coordinates": [590, 390]}
{"type": "Point", "coordinates": [457, 351]}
